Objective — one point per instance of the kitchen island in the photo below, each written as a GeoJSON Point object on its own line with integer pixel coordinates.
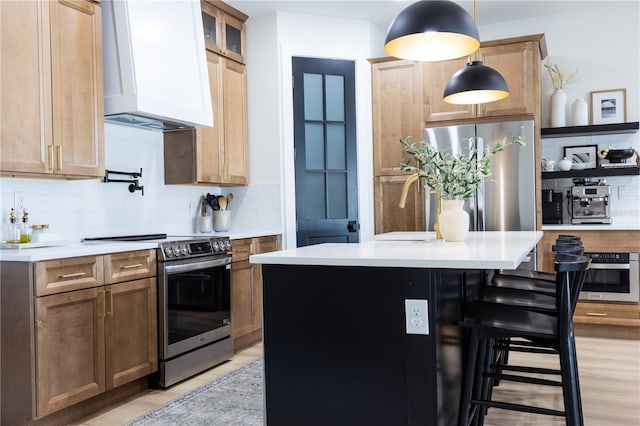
{"type": "Point", "coordinates": [336, 345]}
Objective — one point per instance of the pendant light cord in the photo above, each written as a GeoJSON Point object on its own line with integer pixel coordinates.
{"type": "Point", "coordinates": [476, 53]}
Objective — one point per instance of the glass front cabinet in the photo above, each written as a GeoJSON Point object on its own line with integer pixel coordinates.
{"type": "Point", "coordinates": [224, 31]}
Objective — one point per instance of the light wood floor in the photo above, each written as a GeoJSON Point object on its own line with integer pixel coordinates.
{"type": "Point", "coordinates": [609, 379]}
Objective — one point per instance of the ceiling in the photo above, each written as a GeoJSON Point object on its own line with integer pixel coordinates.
{"type": "Point", "coordinates": [382, 12]}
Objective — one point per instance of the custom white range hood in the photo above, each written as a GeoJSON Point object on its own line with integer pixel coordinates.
{"type": "Point", "coordinates": [155, 65]}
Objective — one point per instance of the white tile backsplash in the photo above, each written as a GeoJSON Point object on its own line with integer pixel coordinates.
{"type": "Point", "coordinates": [85, 208]}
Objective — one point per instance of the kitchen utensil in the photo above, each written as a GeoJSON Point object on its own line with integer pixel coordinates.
{"type": "Point", "coordinates": [222, 202]}
{"type": "Point", "coordinates": [212, 200]}
{"type": "Point", "coordinates": [229, 199]}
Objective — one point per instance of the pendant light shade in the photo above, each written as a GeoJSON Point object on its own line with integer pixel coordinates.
{"type": "Point", "coordinates": [432, 30]}
{"type": "Point", "coordinates": [475, 84]}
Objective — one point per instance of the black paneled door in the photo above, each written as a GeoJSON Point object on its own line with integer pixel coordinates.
{"type": "Point", "coordinates": [325, 151]}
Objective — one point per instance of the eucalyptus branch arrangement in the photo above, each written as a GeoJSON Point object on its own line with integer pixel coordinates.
{"type": "Point", "coordinates": [455, 176]}
{"type": "Point", "coordinates": [558, 78]}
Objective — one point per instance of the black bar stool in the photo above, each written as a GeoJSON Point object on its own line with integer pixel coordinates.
{"type": "Point", "coordinates": [488, 322]}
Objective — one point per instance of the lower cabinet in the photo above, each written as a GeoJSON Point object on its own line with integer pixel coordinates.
{"type": "Point", "coordinates": [246, 292]}
{"type": "Point", "coordinates": [84, 341]}
{"type": "Point", "coordinates": [388, 216]}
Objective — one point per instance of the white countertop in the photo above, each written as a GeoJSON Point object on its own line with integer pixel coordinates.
{"type": "Point", "coordinates": [76, 248]}
{"type": "Point", "coordinates": [481, 250]}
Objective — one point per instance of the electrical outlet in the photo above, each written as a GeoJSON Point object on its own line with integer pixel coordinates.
{"type": "Point", "coordinates": [19, 202]}
{"type": "Point", "coordinates": [417, 316]}
{"type": "Point", "coordinates": [188, 207]}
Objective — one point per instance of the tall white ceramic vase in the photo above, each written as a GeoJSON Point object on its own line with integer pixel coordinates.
{"type": "Point", "coordinates": [453, 221]}
{"type": "Point", "coordinates": [579, 112]}
{"type": "Point", "coordinates": [558, 109]}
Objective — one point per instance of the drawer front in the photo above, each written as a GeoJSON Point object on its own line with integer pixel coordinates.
{"type": "Point", "coordinates": [241, 250]}
{"type": "Point", "coordinates": [130, 265]}
{"type": "Point", "coordinates": [76, 273]}
{"type": "Point", "coordinates": [607, 313]}
{"type": "Point", "coordinates": [268, 244]}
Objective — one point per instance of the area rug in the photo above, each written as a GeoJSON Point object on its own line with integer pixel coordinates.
{"type": "Point", "coordinates": [233, 399]}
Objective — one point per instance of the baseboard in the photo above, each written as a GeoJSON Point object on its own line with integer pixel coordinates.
{"type": "Point", "coordinates": [246, 340]}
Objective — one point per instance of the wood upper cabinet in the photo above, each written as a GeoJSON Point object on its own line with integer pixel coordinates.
{"type": "Point", "coordinates": [52, 62]}
{"type": "Point", "coordinates": [397, 111]}
{"type": "Point", "coordinates": [224, 30]}
{"type": "Point", "coordinates": [436, 76]}
{"type": "Point", "coordinates": [219, 154]}
{"type": "Point", "coordinates": [519, 64]}
{"type": "Point", "coordinates": [516, 59]}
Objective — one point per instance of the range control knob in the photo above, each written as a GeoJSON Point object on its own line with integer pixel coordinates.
{"type": "Point", "coordinates": [215, 246]}
{"type": "Point", "coordinates": [228, 245]}
{"type": "Point", "coordinates": [184, 250]}
{"type": "Point", "coordinates": [168, 251]}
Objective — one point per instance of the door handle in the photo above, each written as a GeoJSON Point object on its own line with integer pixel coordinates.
{"type": "Point", "coordinates": [353, 226]}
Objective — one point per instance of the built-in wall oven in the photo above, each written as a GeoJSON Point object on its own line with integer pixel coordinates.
{"type": "Point", "coordinates": [612, 277]}
{"type": "Point", "coordinates": [194, 308]}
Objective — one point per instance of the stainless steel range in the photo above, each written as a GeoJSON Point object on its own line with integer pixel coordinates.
{"type": "Point", "coordinates": [194, 308]}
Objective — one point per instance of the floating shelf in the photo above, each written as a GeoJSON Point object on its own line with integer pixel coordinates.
{"type": "Point", "coordinates": [597, 129]}
{"type": "Point", "coordinates": [599, 172]}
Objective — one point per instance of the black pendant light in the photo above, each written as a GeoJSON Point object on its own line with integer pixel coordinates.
{"type": "Point", "coordinates": [476, 83]}
{"type": "Point", "coordinates": [432, 30]}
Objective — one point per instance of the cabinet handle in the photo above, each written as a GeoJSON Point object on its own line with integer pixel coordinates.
{"type": "Point", "coordinates": [59, 155]}
{"type": "Point", "coordinates": [135, 265]}
{"type": "Point", "coordinates": [596, 314]}
{"type": "Point", "coordinates": [50, 158]}
{"type": "Point", "coordinates": [74, 275]}
{"type": "Point", "coordinates": [101, 296]}
{"type": "Point", "coordinates": [109, 298]}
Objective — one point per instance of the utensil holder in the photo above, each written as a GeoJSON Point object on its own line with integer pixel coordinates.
{"type": "Point", "coordinates": [205, 224]}
{"type": "Point", "coordinates": [221, 220]}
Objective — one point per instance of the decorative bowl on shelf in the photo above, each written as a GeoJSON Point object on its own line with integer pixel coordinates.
{"type": "Point", "coordinates": [619, 155]}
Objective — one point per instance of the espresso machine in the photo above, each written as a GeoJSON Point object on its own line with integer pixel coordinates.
{"type": "Point", "coordinates": [590, 202]}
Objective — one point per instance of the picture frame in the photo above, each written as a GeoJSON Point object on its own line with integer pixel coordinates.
{"type": "Point", "coordinates": [609, 106]}
{"type": "Point", "coordinates": [582, 157]}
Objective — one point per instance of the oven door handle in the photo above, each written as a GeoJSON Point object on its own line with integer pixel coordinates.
{"type": "Point", "coordinates": [186, 267]}
{"type": "Point", "coordinates": [609, 266]}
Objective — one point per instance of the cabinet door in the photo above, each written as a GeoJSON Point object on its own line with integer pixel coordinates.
{"type": "Point", "coordinates": [234, 38]}
{"type": "Point", "coordinates": [25, 87]}
{"type": "Point", "coordinates": [242, 309]}
{"type": "Point", "coordinates": [69, 349]}
{"type": "Point", "coordinates": [235, 123]}
{"type": "Point", "coordinates": [131, 337]}
{"type": "Point", "coordinates": [397, 111]}
{"type": "Point", "coordinates": [209, 141]}
{"type": "Point", "coordinates": [436, 76]}
{"type": "Point", "coordinates": [212, 26]}
{"type": "Point", "coordinates": [76, 73]}
{"type": "Point", "coordinates": [388, 216]}
{"type": "Point", "coordinates": [519, 65]}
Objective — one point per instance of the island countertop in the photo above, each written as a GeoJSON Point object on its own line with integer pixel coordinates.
{"type": "Point", "coordinates": [481, 250]}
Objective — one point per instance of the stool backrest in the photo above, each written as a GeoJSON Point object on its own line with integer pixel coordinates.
{"type": "Point", "coordinates": [571, 272]}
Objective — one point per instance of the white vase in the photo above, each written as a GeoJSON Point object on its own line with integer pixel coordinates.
{"type": "Point", "coordinates": [579, 113]}
{"type": "Point", "coordinates": [453, 221]}
{"type": "Point", "coordinates": [558, 109]}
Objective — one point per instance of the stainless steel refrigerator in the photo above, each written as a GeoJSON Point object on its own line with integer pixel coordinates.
{"type": "Point", "coordinates": [507, 200]}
